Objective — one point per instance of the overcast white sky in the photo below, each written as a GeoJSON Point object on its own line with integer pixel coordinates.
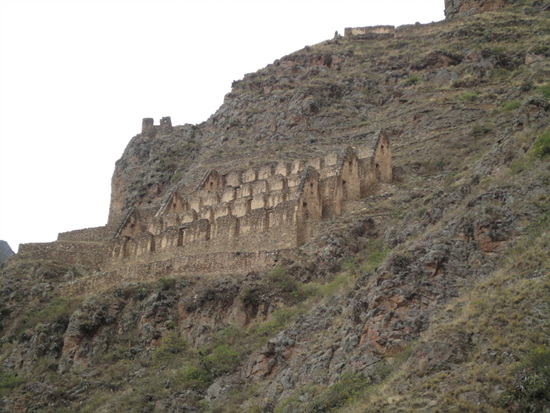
{"type": "Point", "coordinates": [77, 77]}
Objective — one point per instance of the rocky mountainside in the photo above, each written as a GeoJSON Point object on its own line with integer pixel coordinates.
{"type": "Point", "coordinates": [5, 251]}
{"type": "Point", "coordinates": [430, 295]}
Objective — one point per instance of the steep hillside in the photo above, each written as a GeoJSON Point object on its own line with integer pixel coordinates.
{"type": "Point", "coordinates": [431, 294]}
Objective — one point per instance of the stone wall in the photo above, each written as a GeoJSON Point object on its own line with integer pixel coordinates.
{"type": "Point", "coordinates": [97, 234]}
{"type": "Point", "coordinates": [390, 32]}
{"type": "Point", "coordinates": [260, 228]}
{"type": "Point", "coordinates": [230, 221]}
{"type": "Point", "coordinates": [143, 271]}
{"type": "Point", "coordinates": [89, 254]}
{"type": "Point", "coordinates": [370, 32]}
{"type": "Point", "coordinates": [270, 207]}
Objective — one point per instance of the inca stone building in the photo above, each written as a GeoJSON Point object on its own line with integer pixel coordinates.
{"type": "Point", "coordinates": [235, 222]}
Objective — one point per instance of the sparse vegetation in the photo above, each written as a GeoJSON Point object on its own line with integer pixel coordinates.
{"type": "Point", "coordinates": [511, 105]}
{"type": "Point", "coordinates": [166, 284]}
{"type": "Point", "coordinates": [530, 389]}
{"type": "Point", "coordinates": [545, 91]}
{"type": "Point", "coordinates": [479, 130]}
{"type": "Point", "coordinates": [171, 346]}
{"type": "Point", "coordinates": [430, 294]}
{"type": "Point", "coordinates": [177, 176]}
{"type": "Point", "coordinates": [206, 368]}
{"type": "Point", "coordinates": [413, 79]}
{"type": "Point", "coordinates": [539, 150]}
{"type": "Point", "coordinates": [469, 96]}
{"type": "Point", "coordinates": [541, 146]}
{"type": "Point", "coordinates": [377, 253]}
{"type": "Point", "coordinates": [58, 310]}
{"type": "Point", "coordinates": [327, 398]}
{"type": "Point", "coordinates": [500, 74]}
{"type": "Point", "coordinates": [9, 382]}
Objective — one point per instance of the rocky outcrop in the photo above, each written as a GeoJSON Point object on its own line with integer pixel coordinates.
{"type": "Point", "coordinates": [5, 251]}
{"type": "Point", "coordinates": [461, 8]}
{"type": "Point", "coordinates": [149, 164]}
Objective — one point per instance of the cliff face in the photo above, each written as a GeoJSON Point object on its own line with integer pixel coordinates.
{"type": "Point", "coordinates": [430, 294]}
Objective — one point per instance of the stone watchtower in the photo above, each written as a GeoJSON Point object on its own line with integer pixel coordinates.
{"type": "Point", "coordinates": [458, 8]}
{"type": "Point", "coordinates": [166, 125]}
{"type": "Point", "coordinates": [149, 129]}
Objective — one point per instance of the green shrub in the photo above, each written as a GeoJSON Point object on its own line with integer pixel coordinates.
{"type": "Point", "coordinates": [286, 285]}
{"type": "Point", "coordinates": [177, 176]}
{"type": "Point", "coordinates": [208, 367]}
{"type": "Point", "coordinates": [275, 281]}
{"type": "Point", "coordinates": [541, 146]}
{"type": "Point", "coordinates": [468, 96]}
{"type": "Point", "coordinates": [171, 347]}
{"type": "Point", "coordinates": [522, 164]}
{"type": "Point", "coordinates": [251, 296]}
{"type": "Point", "coordinates": [58, 310]}
{"type": "Point", "coordinates": [166, 284]}
{"type": "Point", "coordinates": [479, 130]}
{"type": "Point", "coordinates": [196, 377]}
{"type": "Point", "coordinates": [223, 359]}
{"type": "Point", "coordinates": [530, 389]}
{"type": "Point", "coordinates": [545, 91]}
{"type": "Point", "coordinates": [511, 105]}
{"type": "Point", "coordinates": [281, 318]}
{"type": "Point", "coordinates": [541, 49]}
{"type": "Point", "coordinates": [9, 382]}
{"type": "Point", "coordinates": [413, 80]}
{"type": "Point", "coordinates": [493, 51]}
{"type": "Point", "coordinates": [500, 73]}
{"type": "Point", "coordinates": [141, 293]}
{"type": "Point", "coordinates": [539, 150]}
{"type": "Point", "coordinates": [378, 251]}
{"type": "Point", "coordinates": [282, 281]}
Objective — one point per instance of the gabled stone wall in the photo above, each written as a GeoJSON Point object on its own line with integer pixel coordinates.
{"type": "Point", "coordinates": [251, 213]}
{"type": "Point", "coordinates": [273, 207]}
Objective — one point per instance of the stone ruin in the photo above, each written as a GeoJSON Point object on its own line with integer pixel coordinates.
{"type": "Point", "coordinates": [370, 32]}
{"type": "Point", "coordinates": [454, 9]}
{"type": "Point", "coordinates": [270, 207]}
{"type": "Point", "coordinates": [379, 33]}
{"type": "Point", "coordinates": [234, 222]}
{"type": "Point", "coordinates": [148, 128]}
